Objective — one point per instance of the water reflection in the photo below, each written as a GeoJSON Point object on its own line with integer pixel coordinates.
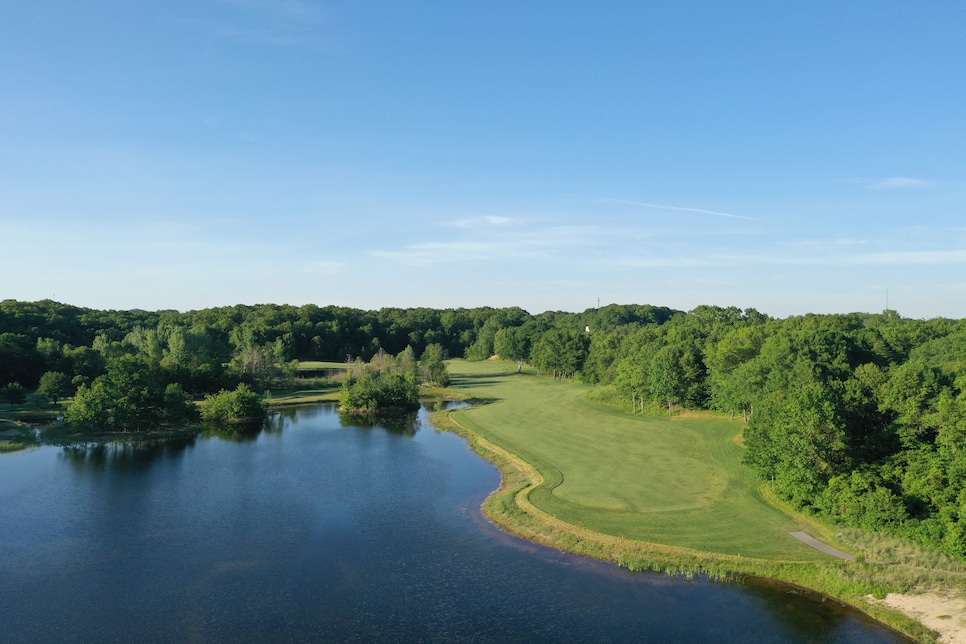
{"type": "Point", "coordinates": [801, 610]}
{"type": "Point", "coordinates": [245, 432]}
{"type": "Point", "coordinates": [443, 404]}
{"type": "Point", "coordinates": [403, 424]}
{"type": "Point", "coordinates": [128, 456]}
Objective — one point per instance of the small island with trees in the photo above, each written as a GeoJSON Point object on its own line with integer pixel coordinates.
{"type": "Point", "coordinates": [390, 384]}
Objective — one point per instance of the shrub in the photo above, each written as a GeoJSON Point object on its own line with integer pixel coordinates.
{"type": "Point", "coordinates": [240, 404]}
{"type": "Point", "coordinates": [375, 391]}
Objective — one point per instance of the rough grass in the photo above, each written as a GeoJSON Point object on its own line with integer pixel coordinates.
{"type": "Point", "coordinates": [883, 547]}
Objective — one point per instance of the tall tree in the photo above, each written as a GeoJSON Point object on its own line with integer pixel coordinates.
{"type": "Point", "coordinates": [55, 385]}
{"type": "Point", "coordinates": [512, 343]}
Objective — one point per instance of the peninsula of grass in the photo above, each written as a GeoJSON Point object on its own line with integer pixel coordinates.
{"type": "Point", "coordinates": [650, 493]}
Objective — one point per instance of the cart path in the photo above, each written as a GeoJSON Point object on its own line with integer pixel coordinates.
{"type": "Point", "coordinates": [808, 539]}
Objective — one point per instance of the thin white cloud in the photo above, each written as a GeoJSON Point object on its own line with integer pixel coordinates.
{"type": "Point", "coordinates": [276, 23]}
{"type": "Point", "coordinates": [481, 222]}
{"type": "Point", "coordinates": [293, 10]}
{"type": "Point", "coordinates": [898, 182]}
{"type": "Point", "coordinates": [446, 252]}
{"type": "Point", "coordinates": [508, 244]}
{"type": "Point", "coordinates": [672, 261]}
{"type": "Point", "coordinates": [910, 258]}
{"type": "Point", "coordinates": [816, 253]}
{"type": "Point", "coordinates": [642, 204]}
{"type": "Point", "coordinates": [801, 257]}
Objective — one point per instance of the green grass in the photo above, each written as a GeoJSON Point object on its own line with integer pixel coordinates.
{"type": "Point", "coordinates": [35, 410]}
{"type": "Point", "coordinates": [675, 481]}
{"type": "Point", "coordinates": [315, 365]}
{"type": "Point", "coordinates": [651, 493]}
{"type": "Point", "coordinates": [328, 393]}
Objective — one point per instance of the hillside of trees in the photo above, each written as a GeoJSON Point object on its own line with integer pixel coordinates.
{"type": "Point", "coordinates": [858, 418]}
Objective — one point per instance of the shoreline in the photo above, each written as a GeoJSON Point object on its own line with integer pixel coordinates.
{"type": "Point", "coordinates": [510, 508]}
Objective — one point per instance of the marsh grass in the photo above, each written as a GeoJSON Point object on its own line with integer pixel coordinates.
{"type": "Point", "coordinates": [16, 436]}
{"type": "Point", "coordinates": [11, 446]}
{"type": "Point", "coordinates": [883, 547]}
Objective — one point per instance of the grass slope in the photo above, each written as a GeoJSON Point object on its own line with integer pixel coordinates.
{"type": "Point", "coordinates": [677, 482]}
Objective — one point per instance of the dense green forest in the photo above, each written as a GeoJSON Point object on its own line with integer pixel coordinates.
{"type": "Point", "coordinates": [858, 418]}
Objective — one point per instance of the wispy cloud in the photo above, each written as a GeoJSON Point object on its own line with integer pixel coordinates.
{"type": "Point", "coordinates": [840, 253]}
{"type": "Point", "coordinates": [642, 204]}
{"type": "Point", "coordinates": [897, 182]}
{"type": "Point", "coordinates": [882, 258]}
{"type": "Point", "coordinates": [273, 36]}
{"type": "Point", "coordinates": [542, 243]}
{"type": "Point", "coordinates": [276, 23]}
{"type": "Point", "coordinates": [481, 222]}
{"type": "Point", "coordinates": [909, 258]}
{"type": "Point", "coordinates": [670, 261]}
{"type": "Point", "coordinates": [295, 10]}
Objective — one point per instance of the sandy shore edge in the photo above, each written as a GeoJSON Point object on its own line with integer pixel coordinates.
{"type": "Point", "coordinates": [945, 613]}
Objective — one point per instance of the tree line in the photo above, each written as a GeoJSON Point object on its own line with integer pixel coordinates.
{"type": "Point", "coordinates": [859, 418]}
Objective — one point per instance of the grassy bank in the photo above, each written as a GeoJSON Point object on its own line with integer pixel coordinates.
{"type": "Point", "coordinates": [15, 436]}
{"type": "Point", "coordinates": [650, 493]}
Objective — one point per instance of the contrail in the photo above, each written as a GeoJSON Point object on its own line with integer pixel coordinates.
{"type": "Point", "coordinates": [654, 205]}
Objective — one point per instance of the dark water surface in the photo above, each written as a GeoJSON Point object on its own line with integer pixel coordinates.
{"type": "Point", "coordinates": [313, 531]}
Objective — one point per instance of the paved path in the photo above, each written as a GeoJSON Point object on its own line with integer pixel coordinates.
{"type": "Point", "coordinates": [818, 545]}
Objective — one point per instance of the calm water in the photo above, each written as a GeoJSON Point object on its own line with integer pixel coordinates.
{"type": "Point", "coordinates": [313, 531]}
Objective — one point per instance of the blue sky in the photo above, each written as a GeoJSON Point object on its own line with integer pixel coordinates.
{"type": "Point", "coordinates": [790, 157]}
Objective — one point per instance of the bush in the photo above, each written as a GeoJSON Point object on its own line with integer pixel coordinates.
{"type": "Point", "coordinates": [240, 404]}
{"type": "Point", "coordinates": [371, 392]}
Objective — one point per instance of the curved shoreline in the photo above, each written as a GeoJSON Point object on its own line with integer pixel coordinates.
{"type": "Point", "coordinates": [510, 508]}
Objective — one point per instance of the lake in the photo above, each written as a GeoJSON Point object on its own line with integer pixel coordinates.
{"type": "Point", "coordinates": [312, 529]}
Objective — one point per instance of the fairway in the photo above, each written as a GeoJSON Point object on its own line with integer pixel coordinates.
{"type": "Point", "coordinates": [315, 365]}
{"type": "Point", "coordinates": [673, 482]}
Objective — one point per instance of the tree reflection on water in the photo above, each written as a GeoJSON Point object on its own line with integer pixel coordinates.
{"type": "Point", "coordinates": [125, 456]}
{"type": "Point", "coordinates": [403, 423]}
